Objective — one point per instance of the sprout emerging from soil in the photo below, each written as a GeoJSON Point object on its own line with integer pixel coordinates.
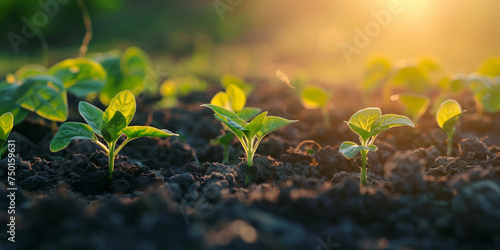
{"type": "Point", "coordinates": [110, 125]}
{"type": "Point", "coordinates": [250, 134]}
{"type": "Point", "coordinates": [6, 124]}
{"type": "Point", "coordinates": [233, 99]}
{"type": "Point", "coordinates": [447, 116]}
{"type": "Point", "coordinates": [368, 123]}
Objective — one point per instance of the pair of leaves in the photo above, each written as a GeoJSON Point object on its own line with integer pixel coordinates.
{"type": "Point", "coordinates": [314, 97]}
{"type": "Point", "coordinates": [80, 76]}
{"type": "Point", "coordinates": [227, 80]}
{"type": "Point", "coordinates": [370, 122]}
{"type": "Point", "coordinates": [234, 99]}
{"type": "Point", "coordinates": [259, 127]}
{"type": "Point", "coordinates": [350, 149]}
{"type": "Point", "coordinates": [110, 124]}
{"type": "Point", "coordinates": [448, 114]}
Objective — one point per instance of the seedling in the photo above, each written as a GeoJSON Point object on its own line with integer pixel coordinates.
{"type": "Point", "coordinates": [233, 99]}
{"type": "Point", "coordinates": [227, 80]}
{"type": "Point", "coordinates": [447, 116]}
{"type": "Point", "coordinates": [6, 124]}
{"type": "Point", "coordinates": [315, 97]}
{"type": "Point", "coordinates": [368, 124]}
{"type": "Point", "coordinates": [250, 134]}
{"type": "Point", "coordinates": [414, 105]}
{"type": "Point", "coordinates": [110, 125]}
{"type": "Point", "coordinates": [179, 86]}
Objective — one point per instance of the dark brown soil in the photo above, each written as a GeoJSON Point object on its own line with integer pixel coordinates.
{"type": "Point", "coordinates": [174, 194]}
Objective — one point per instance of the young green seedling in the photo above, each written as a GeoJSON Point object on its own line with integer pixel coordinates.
{"type": "Point", "coordinates": [447, 116]}
{"type": "Point", "coordinates": [250, 134]}
{"type": "Point", "coordinates": [315, 97]}
{"type": "Point", "coordinates": [110, 125]}
{"type": "Point", "coordinates": [414, 105]}
{"type": "Point", "coordinates": [6, 124]}
{"type": "Point", "coordinates": [368, 124]}
{"type": "Point", "coordinates": [233, 99]}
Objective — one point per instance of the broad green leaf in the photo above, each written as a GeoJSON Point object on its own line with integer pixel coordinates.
{"type": "Point", "coordinates": [69, 131]}
{"type": "Point", "coordinates": [29, 70]}
{"type": "Point", "coordinates": [255, 125]}
{"type": "Point", "coordinates": [363, 134]}
{"type": "Point", "coordinates": [388, 121]}
{"type": "Point", "coordinates": [488, 94]}
{"type": "Point", "coordinates": [111, 63]}
{"type": "Point", "coordinates": [222, 112]}
{"type": "Point", "coordinates": [412, 78]}
{"type": "Point", "coordinates": [123, 102]}
{"type": "Point", "coordinates": [6, 124]}
{"type": "Point", "coordinates": [448, 111]}
{"type": "Point", "coordinates": [134, 63]}
{"type": "Point", "coordinates": [227, 80]}
{"type": "Point", "coordinates": [233, 126]}
{"type": "Point", "coordinates": [236, 96]}
{"type": "Point", "coordinates": [44, 95]}
{"type": "Point", "coordinates": [113, 129]}
{"type": "Point", "coordinates": [415, 105]}
{"type": "Point", "coordinates": [9, 103]}
{"type": "Point", "coordinates": [350, 149]}
{"type": "Point", "coordinates": [272, 123]}
{"type": "Point", "coordinates": [449, 125]}
{"type": "Point", "coordinates": [221, 99]}
{"type": "Point", "coordinates": [377, 71]}
{"type": "Point", "coordinates": [313, 97]}
{"type": "Point", "coordinates": [248, 113]}
{"type": "Point", "coordinates": [365, 118]}
{"type": "Point", "coordinates": [80, 76]}
{"type": "Point", "coordinates": [92, 115]}
{"type": "Point", "coordinates": [490, 67]}
{"type": "Point", "coordinates": [133, 132]}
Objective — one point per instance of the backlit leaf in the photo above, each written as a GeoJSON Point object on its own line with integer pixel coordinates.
{"type": "Point", "coordinates": [69, 131]}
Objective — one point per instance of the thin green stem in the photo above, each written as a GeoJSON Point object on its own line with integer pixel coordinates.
{"type": "Point", "coordinates": [450, 140]}
{"type": "Point", "coordinates": [111, 165]}
{"type": "Point", "coordinates": [102, 146]}
{"type": "Point", "coordinates": [225, 158]}
{"type": "Point", "coordinates": [249, 178]}
{"type": "Point", "coordinates": [363, 167]}
{"type": "Point", "coordinates": [326, 116]}
{"type": "Point", "coordinates": [122, 145]}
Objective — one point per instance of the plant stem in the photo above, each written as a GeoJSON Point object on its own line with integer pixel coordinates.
{"type": "Point", "coordinates": [326, 116]}
{"type": "Point", "coordinates": [450, 140]}
{"type": "Point", "coordinates": [111, 165]}
{"type": "Point", "coordinates": [225, 158]}
{"type": "Point", "coordinates": [248, 178]}
{"type": "Point", "coordinates": [363, 167]}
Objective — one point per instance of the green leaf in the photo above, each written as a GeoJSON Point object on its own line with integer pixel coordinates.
{"type": "Point", "coordinates": [29, 70]}
{"type": "Point", "coordinates": [490, 67]}
{"type": "Point", "coordinates": [6, 124]}
{"type": "Point", "coordinates": [313, 97]}
{"type": "Point", "coordinates": [233, 126]}
{"type": "Point", "coordinates": [133, 132]}
{"type": "Point", "coordinates": [363, 134]}
{"type": "Point", "coordinates": [69, 131]}
{"type": "Point", "coordinates": [412, 78]}
{"type": "Point", "coordinates": [248, 113]}
{"type": "Point", "coordinates": [255, 125]}
{"type": "Point", "coordinates": [272, 123]}
{"type": "Point", "coordinates": [223, 112]}
{"type": "Point", "coordinates": [350, 149]}
{"type": "Point", "coordinates": [388, 121]}
{"type": "Point", "coordinates": [223, 139]}
{"type": "Point", "coordinates": [237, 97]}
{"type": "Point", "coordinates": [44, 95]}
{"type": "Point", "coordinates": [365, 118]}
{"type": "Point", "coordinates": [449, 111]}
{"type": "Point", "coordinates": [92, 115]}
{"type": "Point", "coordinates": [378, 69]}
{"type": "Point", "coordinates": [80, 76]}
{"type": "Point", "coordinates": [113, 129]}
{"type": "Point", "coordinates": [123, 102]}
{"type": "Point", "coordinates": [487, 92]}
{"type": "Point", "coordinates": [415, 105]}
{"type": "Point", "coordinates": [221, 99]}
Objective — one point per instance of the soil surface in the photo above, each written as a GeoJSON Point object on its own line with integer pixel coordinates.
{"type": "Point", "coordinates": [175, 194]}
